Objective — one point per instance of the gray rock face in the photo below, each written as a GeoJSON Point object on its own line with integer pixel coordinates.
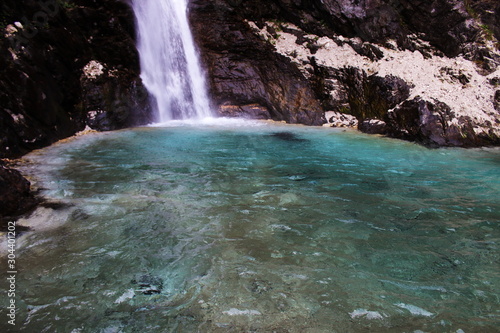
{"type": "Point", "coordinates": [252, 111]}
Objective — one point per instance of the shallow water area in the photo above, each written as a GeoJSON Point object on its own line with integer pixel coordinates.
{"type": "Point", "coordinates": [251, 226]}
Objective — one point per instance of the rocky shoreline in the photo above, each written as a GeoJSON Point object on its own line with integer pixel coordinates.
{"type": "Point", "coordinates": [417, 71]}
{"type": "Point", "coordinates": [396, 76]}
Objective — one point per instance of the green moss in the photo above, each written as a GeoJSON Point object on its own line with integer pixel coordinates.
{"type": "Point", "coordinates": [470, 10]}
{"type": "Point", "coordinates": [485, 29]}
{"type": "Point", "coordinates": [66, 4]}
{"type": "Point", "coordinates": [487, 32]}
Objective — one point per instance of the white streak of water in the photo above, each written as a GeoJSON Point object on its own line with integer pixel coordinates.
{"type": "Point", "coordinates": [170, 68]}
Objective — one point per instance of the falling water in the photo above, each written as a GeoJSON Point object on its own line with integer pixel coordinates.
{"type": "Point", "coordinates": [170, 66]}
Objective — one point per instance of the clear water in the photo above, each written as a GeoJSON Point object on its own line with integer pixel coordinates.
{"type": "Point", "coordinates": [252, 227]}
{"type": "Point", "coordinates": [170, 68]}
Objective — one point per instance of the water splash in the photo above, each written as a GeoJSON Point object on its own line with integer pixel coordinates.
{"type": "Point", "coordinates": [170, 66]}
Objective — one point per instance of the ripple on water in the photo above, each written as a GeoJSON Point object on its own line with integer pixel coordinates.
{"type": "Point", "coordinates": [231, 227]}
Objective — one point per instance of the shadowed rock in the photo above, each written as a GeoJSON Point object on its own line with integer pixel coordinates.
{"type": "Point", "coordinates": [15, 195]}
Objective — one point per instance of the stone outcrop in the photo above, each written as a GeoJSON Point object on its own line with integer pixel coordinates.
{"type": "Point", "coordinates": [337, 119]}
{"type": "Point", "coordinates": [433, 123]}
{"type": "Point", "coordinates": [15, 195]}
{"type": "Point", "coordinates": [44, 93]}
{"type": "Point", "coordinates": [242, 69]}
{"type": "Point", "coordinates": [374, 60]}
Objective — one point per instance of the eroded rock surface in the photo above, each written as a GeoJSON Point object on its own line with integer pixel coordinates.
{"type": "Point", "coordinates": [372, 60]}
{"type": "Point", "coordinates": [46, 92]}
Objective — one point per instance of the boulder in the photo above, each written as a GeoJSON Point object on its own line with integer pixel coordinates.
{"type": "Point", "coordinates": [434, 124]}
{"type": "Point", "coordinates": [15, 194]}
{"type": "Point", "coordinates": [337, 119]}
{"type": "Point", "coordinates": [373, 126]}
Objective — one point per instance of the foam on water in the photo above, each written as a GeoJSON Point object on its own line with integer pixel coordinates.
{"type": "Point", "coordinates": [213, 122]}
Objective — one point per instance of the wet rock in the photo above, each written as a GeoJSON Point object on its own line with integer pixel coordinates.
{"type": "Point", "coordinates": [114, 99]}
{"type": "Point", "coordinates": [148, 284]}
{"type": "Point", "coordinates": [373, 126]}
{"type": "Point", "coordinates": [251, 111]}
{"type": "Point", "coordinates": [243, 69]}
{"type": "Point", "coordinates": [372, 96]}
{"type": "Point", "coordinates": [434, 124]}
{"type": "Point", "coordinates": [261, 286]}
{"type": "Point", "coordinates": [16, 197]}
{"type": "Point", "coordinates": [337, 119]}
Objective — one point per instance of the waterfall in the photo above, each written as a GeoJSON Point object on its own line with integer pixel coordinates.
{"type": "Point", "coordinates": [170, 68]}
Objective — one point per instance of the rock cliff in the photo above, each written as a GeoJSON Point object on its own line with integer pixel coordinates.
{"type": "Point", "coordinates": [425, 71]}
{"type": "Point", "coordinates": [66, 65]}
{"type": "Point", "coordinates": [72, 64]}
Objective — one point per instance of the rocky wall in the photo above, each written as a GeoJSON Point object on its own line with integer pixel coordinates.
{"type": "Point", "coordinates": [47, 88]}
{"type": "Point", "coordinates": [375, 60]}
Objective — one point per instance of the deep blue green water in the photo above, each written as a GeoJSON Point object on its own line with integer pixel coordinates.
{"type": "Point", "coordinates": [260, 228]}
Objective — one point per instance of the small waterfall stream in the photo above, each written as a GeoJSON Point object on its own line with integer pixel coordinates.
{"type": "Point", "coordinates": [169, 62]}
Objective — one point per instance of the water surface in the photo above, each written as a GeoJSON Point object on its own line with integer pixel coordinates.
{"type": "Point", "coordinates": [252, 227]}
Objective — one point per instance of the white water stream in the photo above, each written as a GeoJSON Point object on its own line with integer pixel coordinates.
{"type": "Point", "coordinates": [170, 66]}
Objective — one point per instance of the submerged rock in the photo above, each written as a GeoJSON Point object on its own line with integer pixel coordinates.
{"type": "Point", "coordinates": [148, 284]}
{"type": "Point", "coordinates": [287, 136]}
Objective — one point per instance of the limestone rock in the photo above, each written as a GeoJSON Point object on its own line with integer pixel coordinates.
{"type": "Point", "coordinates": [433, 123]}
{"type": "Point", "coordinates": [337, 119]}
{"type": "Point", "coordinates": [373, 126]}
